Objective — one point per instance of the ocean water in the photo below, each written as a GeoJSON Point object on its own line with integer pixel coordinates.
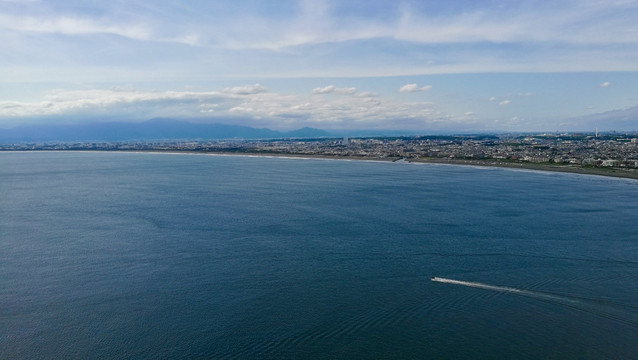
{"type": "Point", "coordinates": [151, 256]}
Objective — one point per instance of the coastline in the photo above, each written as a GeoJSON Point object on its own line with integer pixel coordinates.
{"type": "Point", "coordinates": [608, 172]}
{"type": "Point", "coordinates": [594, 171]}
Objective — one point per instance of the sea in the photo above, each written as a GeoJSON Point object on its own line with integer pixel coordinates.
{"type": "Point", "coordinates": [112, 255]}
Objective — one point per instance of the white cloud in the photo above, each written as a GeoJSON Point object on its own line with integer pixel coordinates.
{"type": "Point", "coordinates": [265, 109]}
{"type": "Point", "coordinates": [208, 108]}
{"type": "Point", "coordinates": [493, 98]}
{"type": "Point", "coordinates": [367, 94]}
{"type": "Point", "coordinates": [408, 88]}
{"type": "Point", "coordinates": [246, 89]}
{"type": "Point", "coordinates": [505, 102]}
{"type": "Point", "coordinates": [113, 101]}
{"type": "Point", "coordinates": [333, 89]}
{"type": "Point", "coordinates": [320, 23]}
{"type": "Point", "coordinates": [605, 84]}
{"type": "Point", "coordinates": [518, 23]}
{"type": "Point", "coordinates": [323, 90]}
{"type": "Point", "coordinates": [74, 25]}
{"type": "Point", "coordinates": [345, 91]}
{"type": "Point", "coordinates": [79, 25]}
{"type": "Point", "coordinates": [305, 40]}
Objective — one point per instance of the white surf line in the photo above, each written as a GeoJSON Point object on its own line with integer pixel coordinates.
{"type": "Point", "coordinates": [505, 289]}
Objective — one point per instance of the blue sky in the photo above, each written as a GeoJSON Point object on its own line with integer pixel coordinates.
{"type": "Point", "coordinates": [425, 66]}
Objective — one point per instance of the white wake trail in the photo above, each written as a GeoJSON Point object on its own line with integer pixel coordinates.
{"type": "Point", "coordinates": [534, 294]}
{"type": "Point", "coordinates": [617, 312]}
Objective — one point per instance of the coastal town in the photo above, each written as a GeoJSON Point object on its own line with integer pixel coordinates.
{"type": "Point", "coordinates": [565, 151]}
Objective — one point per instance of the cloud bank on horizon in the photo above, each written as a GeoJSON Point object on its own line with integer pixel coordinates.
{"type": "Point", "coordinates": [414, 65]}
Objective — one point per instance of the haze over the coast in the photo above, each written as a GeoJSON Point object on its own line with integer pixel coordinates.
{"type": "Point", "coordinates": [422, 66]}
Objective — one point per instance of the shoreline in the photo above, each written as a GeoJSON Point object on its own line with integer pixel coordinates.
{"type": "Point", "coordinates": [594, 171]}
{"type": "Point", "coordinates": [617, 173]}
{"type": "Point", "coordinates": [608, 172]}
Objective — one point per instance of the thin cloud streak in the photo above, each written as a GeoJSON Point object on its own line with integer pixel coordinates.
{"type": "Point", "coordinates": [596, 25]}
{"type": "Point", "coordinates": [320, 22]}
{"type": "Point", "coordinates": [80, 26]}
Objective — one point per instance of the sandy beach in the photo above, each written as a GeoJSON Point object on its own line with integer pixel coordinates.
{"type": "Point", "coordinates": [598, 171]}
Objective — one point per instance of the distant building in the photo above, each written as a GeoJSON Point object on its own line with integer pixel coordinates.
{"type": "Point", "coordinates": [609, 163]}
{"type": "Point", "coordinates": [536, 159]}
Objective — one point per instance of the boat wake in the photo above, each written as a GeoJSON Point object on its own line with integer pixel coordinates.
{"type": "Point", "coordinates": [601, 308]}
{"type": "Point", "coordinates": [534, 294]}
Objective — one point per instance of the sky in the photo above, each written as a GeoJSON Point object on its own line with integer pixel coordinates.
{"type": "Point", "coordinates": [425, 66]}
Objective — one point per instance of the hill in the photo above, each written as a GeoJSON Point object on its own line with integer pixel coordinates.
{"type": "Point", "coordinates": [154, 129]}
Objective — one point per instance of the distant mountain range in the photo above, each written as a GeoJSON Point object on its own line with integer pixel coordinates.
{"type": "Point", "coordinates": [154, 129]}
{"type": "Point", "coordinates": [622, 120]}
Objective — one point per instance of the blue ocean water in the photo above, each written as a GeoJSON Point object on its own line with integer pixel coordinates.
{"type": "Point", "coordinates": [140, 255]}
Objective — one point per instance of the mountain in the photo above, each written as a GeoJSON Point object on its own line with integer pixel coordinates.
{"type": "Point", "coordinates": [622, 120]}
{"type": "Point", "coordinates": [308, 132]}
{"type": "Point", "coordinates": [154, 129]}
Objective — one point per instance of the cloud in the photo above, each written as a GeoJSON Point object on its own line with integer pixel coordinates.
{"type": "Point", "coordinates": [253, 106]}
{"type": "Point", "coordinates": [333, 89]}
{"type": "Point", "coordinates": [82, 25]}
{"type": "Point", "coordinates": [74, 25]}
{"type": "Point", "coordinates": [500, 102]}
{"type": "Point", "coordinates": [477, 24]}
{"type": "Point", "coordinates": [345, 91]}
{"type": "Point", "coordinates": [368, 94]}
{"type": "Point", "coordinates": [310, 39]}
{"type": "Point", "coordinates": [408, 88]}
{"type": "Point", "coordinates": [246, 90]}
{"type": "Point", "coordinates": [323, 90]}
{"type": "Point", "coordinates": [323, 22]}
{"type": "Point", "coordinates": [605, 84]}
{"type": "Point", "coordinates": [114, 103]}
{"type": "Point", "coordinates": [208, 108]}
